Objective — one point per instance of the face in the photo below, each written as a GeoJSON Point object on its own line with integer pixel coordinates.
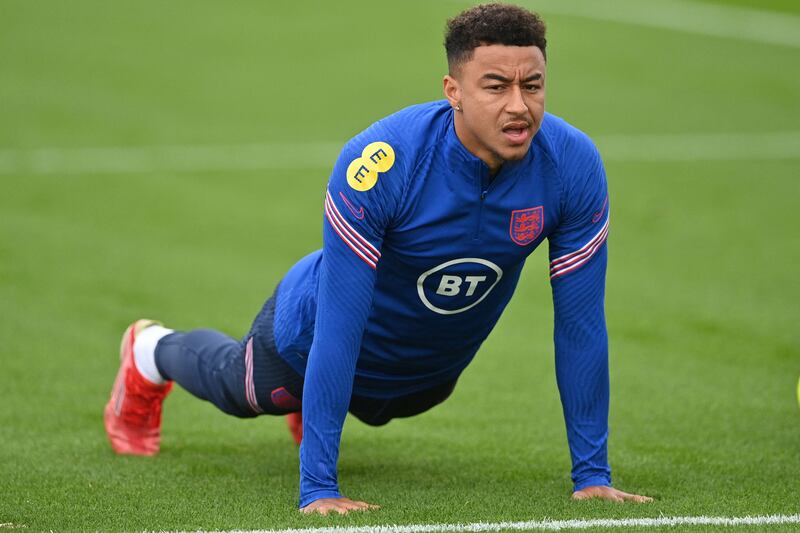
{"type": "Point", "coordinates": [500, 93]}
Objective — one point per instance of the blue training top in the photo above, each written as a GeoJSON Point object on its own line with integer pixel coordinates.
{"type": "Point", "coordinates": [422, 250]}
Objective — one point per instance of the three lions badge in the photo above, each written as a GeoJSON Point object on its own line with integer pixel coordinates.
{"type": "Point", "coordinates": [526, 224]}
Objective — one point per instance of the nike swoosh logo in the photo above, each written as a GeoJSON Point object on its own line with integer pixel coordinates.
{"type": "Point", "coordinates": [597, 216]}
{"type": "Point", "coordinates": [358, 213]}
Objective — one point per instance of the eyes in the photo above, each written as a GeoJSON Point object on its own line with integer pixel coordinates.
{"type": "Point", "coordinates": [531, 88]}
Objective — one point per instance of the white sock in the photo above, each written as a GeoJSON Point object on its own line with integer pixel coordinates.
{"type": "Point", "coordinates": [144, 352]}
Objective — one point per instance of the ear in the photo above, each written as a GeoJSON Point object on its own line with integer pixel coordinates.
{"type": "Point", "coordinates": [452, 91]}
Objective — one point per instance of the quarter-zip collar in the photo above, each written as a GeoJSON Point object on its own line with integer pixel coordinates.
{"type": "Point", "coordinates": [458, 157]}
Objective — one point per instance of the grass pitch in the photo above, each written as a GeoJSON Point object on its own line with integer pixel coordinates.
{"type": "Point", "coordinates": [702, 287]}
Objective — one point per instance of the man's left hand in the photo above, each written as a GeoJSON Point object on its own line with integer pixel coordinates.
{"type": "Point", "coordinates": [610, 494]}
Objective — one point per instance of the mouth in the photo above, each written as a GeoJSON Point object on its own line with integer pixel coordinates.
{"type": "Point", "coordinates": [517, 132]}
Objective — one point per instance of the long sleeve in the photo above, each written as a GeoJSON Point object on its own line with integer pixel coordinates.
{"type": "Point", "coordinates": [578, 254]}
{"type": "Point", "coordinates": [362, 194]}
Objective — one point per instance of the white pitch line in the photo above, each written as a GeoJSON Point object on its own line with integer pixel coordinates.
{"type": "Point", "coordinates": [549, 525]}
{"type": "Point", "coordinates": [321, 155]}
{"type": "Point", "coordinates": [732, 22]}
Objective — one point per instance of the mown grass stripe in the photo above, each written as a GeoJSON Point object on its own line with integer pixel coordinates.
{"type": "Point", "coordinates": [322, 155]}
{"type": "Point", "coordinates": [701, 146]}
{"type": "Point", "coordinates": [175, 158]}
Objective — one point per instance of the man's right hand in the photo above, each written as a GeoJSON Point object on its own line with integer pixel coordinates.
{"type": "Point", "coordinates": [610, 494]}
{"type": "Point", "coordinates": [324, 506]}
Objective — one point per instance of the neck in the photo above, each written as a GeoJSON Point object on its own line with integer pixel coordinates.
{"type": "Point", "coordinates": [474, 146]}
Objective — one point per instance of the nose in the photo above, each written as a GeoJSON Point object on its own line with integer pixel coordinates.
{"type": "Point", "coordinates": [516, 104]}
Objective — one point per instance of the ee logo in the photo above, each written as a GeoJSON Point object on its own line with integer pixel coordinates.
{"type": "Point", "coordinates": [362, 173]}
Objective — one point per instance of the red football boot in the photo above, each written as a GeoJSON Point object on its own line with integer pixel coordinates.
{"type": "Point", "coordinates": [295, 423]}
{"type": "Point", "coordinates": [133, 413]}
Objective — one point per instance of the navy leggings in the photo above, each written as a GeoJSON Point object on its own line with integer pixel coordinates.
{"type": "Point", "coordinates": [247, 378]}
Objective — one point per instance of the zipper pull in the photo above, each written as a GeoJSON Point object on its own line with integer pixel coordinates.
{"type": "Point", "coordinates": [483, 195]}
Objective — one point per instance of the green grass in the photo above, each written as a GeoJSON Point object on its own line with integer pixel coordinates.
{"type": "Point", "coordinates": [702, 287]}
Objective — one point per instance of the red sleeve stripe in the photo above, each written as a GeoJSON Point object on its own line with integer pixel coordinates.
{"type": "Point", "coordinates": [368, 253]}
{"type": "Point", "coordinates": [249, 384]}
{"type": "Point", "coordinates": [569, 256]}
{"type": "Point", "coordinates": [364, 242]}
{"type": "Point", "coordinates": [572, 261]}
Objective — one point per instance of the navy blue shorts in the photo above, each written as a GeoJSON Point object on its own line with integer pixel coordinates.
{"type": "Point", "coordinates": [248, 378]}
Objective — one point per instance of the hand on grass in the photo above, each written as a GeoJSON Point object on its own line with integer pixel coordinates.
{"type": "Point", "coordinates": [610, 494]}
{"type": "Point", "coordinates": [324, 506]}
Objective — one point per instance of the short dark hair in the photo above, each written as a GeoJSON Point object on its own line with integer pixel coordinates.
{"type": "Point", "coordinates": [487, 24]}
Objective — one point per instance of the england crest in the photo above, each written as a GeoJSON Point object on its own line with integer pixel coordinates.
{"type": "Point", "coordinates": [526, 224]}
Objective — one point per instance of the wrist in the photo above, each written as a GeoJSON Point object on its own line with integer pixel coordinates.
{"type": "Point", "coordinates": [593, 481]}
{"type": "Point", "coordinates": [311, 497]}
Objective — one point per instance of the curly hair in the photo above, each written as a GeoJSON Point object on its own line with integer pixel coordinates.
{"type": "Point", "coordinates": [493, 23]}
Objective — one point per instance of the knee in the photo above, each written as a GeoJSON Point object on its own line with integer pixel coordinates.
{"type": "Point", "coordinates": [373, 420]}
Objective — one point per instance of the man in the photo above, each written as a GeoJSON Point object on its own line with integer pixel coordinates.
{"type": "Point", "coordinates": [429, 216]}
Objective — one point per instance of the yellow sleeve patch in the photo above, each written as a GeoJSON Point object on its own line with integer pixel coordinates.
{"type": "Point", "coordinates": [362, 173]}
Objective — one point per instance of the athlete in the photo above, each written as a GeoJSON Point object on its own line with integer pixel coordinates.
{"type": "Point", "coordinates": [429, 215]}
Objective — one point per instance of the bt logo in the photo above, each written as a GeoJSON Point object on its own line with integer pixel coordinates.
{"type": "Point", "coordinates": [458, 285]}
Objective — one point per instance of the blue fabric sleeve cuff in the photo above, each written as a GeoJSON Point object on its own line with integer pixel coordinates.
{"type": "Point", "coordinates": [318, 495]}
{"type": "Point", "coordinates": [594, 481]}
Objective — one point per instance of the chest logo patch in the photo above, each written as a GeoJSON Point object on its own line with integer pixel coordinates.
{"type": "Point", "coordinates": [362, 172]}
{"type": "Point", "coordinates": [458, 285]}
{"type": "Point", "coordinates": [526, 224]}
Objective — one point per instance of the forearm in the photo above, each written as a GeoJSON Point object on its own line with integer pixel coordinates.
{"type": "Point", "coordinates": [325, 399]}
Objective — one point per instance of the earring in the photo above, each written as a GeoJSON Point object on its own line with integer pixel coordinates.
{"type": "Point", "coordinates": [458, 107]}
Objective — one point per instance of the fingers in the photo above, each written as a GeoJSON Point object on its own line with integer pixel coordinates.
{"type": "Point", "coordinates": [634, 497]}
{"type": "Point", "coordinates": [340, 506]}
{"type": "Point", "coordinates": [614, 497]}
